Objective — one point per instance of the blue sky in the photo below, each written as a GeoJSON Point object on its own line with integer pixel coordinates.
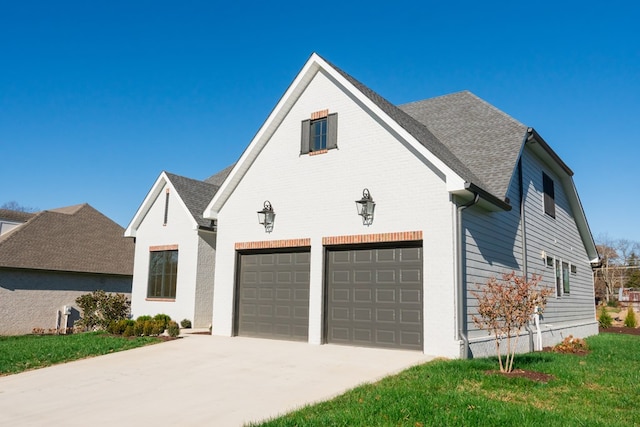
{"type": "Point", "coordinates": [97, 98]}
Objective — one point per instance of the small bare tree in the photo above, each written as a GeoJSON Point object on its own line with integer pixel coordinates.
{"type": "Point", "coordinates": [505, 307]}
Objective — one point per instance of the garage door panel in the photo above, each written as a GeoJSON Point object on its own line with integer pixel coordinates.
{"type": "Point", "coordinates": [273, 296]}
{"type": "Point", "coordinates": [411, 295]}
{"type": "Point", "coordinates": [375, 297]}
{"type": "Point", "coordinates": [385, 295]}
{"type": "Point", "coordinates": [410, 276]}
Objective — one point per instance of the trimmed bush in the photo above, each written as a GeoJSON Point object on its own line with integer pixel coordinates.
{"type": "Point", "coordinates": [129, 331]}
{"type": "Point", "coordinates": [605, 320]}
{"type": "Point", "coordinates": [163, 319]}
{"type": "Point", "coordinates": [138, 328]}
{"type": "Point", "coordinates": [185, 323]}
{"type": "Point", "coordinates": [143, 318]}
{"type": "Point", "coordinates": [630, 319]}
{"type": "Point", "coordinates": [148, 327]}
{"type": "Point", "coordinates": [118, 328]}
{"type": "Point", "coordinates": [173, 329]}
{"type": "Point", "coordinates": [158, 327]}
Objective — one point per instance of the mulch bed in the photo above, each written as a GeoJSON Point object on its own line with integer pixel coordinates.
{"type": "Point", "coordinates": [620, 330]}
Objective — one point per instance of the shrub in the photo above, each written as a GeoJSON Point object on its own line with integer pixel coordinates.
{"type": "Point", "coordinates": [505, 307]}
{"type": "Point", "coordinates": [144, 318]}
{"type": "Point", "coordinates": [148, 327]}
{"type": "Point", "coordinates": [630, 319]}
{"type": "Point", "coordinates": [138, 328]}
{"type": "Point", "coordinates": [163, 319]}
{"type": "Point", "coordinates": [157, 328]}
{"type": "Point", "coordinates": [129, 331]}
{"type": "Point", "coordinates": [118, 327]}
{"type": "Point", "coordinates": [173, 329]}
{"type": "Point", "coordinates": [571, 345]}
{"type": "Point", "coordinates": [612, 303]}
{"type": "Point", "coordinates": [99, 309]}
{"type": "Point", "coordinates": [185, 323]}
{"type": "Point", "coordinates": [605, 320]}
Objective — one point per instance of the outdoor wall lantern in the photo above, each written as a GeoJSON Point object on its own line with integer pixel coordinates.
{"type": "Point", "coordinates": [267, 216]}
{"type": "Point", "coordinates": [365, 207]}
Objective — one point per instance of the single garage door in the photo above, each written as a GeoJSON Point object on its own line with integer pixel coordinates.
{"type": "Point", "coordinates": [273, 295]}
{"type": "Point", "coordinates": [374, 297]}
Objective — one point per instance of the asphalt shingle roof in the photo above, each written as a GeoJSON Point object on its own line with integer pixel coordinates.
{"type": "Point", "coordinates": [484, 138]}
{"type": "Point", "coordinates": [476, 140]}
{"type": "Point", "coordinates": [18, 216]}
{"type": "Point", "coordinates": [77, 239]}
{"type": "Point", "coordinates": [219, 177]}
{"type": "Point", "coordinates": [195, 194]}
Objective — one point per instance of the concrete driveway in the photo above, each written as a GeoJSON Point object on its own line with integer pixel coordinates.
{"type": "Point", "coordinates": [195, 381]}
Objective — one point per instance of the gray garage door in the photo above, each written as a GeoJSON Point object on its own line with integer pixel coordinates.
{"type": "Point", "coordinates": [374, 297]}
{"type": "Point", "coordinates": [273, 296]}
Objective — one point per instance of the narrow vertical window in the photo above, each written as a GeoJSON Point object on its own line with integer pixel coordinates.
{"type": "Point", "coordinates": [549, 195]}
{"type": "Point", "coordinates": [558, 279]}
{"type": "Point", "coordinates": [565, 278]}
{"type": "Point", "coordinates": [166, 207]}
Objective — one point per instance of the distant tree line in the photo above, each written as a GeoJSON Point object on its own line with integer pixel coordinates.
{"type": "Point", "coordinates": [620, 266]}
{"type": "Point", "coordinates": [15, 206]}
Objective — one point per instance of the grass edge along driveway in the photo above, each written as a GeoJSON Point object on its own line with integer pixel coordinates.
{"type": "Point", "coordinates": [601, 388]}
{"type": "Point", "coordinates": [26, 352]}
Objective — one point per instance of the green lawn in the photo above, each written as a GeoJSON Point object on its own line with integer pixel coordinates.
{"type": "Point", "coordinates": [21, 353]}
{"type": "Point", "coordinates": [599, 389]}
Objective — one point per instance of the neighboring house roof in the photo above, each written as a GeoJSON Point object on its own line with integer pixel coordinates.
{"type": "Point", "coordinates": [18, 216]}
{"type": "Point", "coordinates": [193, 194]}
{"type": "Point", "coordinates": [76, 238]}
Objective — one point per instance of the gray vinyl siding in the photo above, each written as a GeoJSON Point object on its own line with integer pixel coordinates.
{"type": "Point", "coordinates": [559, 238]}
{"type": "Point", "coordinates": [203, 305]}
{"type": "Point", "coordinates": [493, 244]}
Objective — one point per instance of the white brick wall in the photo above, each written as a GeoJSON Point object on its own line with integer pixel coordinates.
{"type": "Point", "coordinates": [179, 231]}
{"type": "Point", "coordinates": [313, 197]}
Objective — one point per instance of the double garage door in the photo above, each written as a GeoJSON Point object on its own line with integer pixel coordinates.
{"type": "Point", "coordinates": [373, 296]}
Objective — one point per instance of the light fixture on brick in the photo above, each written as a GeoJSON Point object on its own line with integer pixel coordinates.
{"type": "Point", "coordinates": [267, 216]}
{"type": "Point", "coordinates": [365, 207]}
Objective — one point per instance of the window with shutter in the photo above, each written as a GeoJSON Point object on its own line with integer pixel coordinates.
{"type": "Point", "coordinates": [320, 133]}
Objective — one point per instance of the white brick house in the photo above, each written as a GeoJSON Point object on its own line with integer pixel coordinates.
{"type": "Point", "coordinates": [446, 176]}
{"type": "Point", "coordinates": [462, 192]}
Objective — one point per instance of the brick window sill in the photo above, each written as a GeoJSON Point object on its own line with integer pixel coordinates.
{"type": "Point", "coordinates": [161, 299]}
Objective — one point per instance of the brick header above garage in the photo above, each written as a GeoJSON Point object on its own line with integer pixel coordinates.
{"type": "Point", "coordinates": [402, 236]}
{"type": "Point", "coordinates": [271, 244]}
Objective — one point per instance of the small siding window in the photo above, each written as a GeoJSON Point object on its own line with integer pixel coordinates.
{"type": "Point", "coordinates": [558, 279]}
{"type": "Point", "coordinates": [163, 274]}
{"type": "Point", "coordinates": [549, 195]}
{"type": "Point", "coordinates": [565, 278]}
{"type": "Point", "coordinates": [549, 261]}
{"type": "Point", "coordinates": [574, 269]}
{"type": "Point", "coordinates": [320, 133]}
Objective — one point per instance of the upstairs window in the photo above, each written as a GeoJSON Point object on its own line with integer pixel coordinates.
{"type": "Point", "coordinates": [320, 133]}
{"type": "Point", "coordinates": [549, 195]}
